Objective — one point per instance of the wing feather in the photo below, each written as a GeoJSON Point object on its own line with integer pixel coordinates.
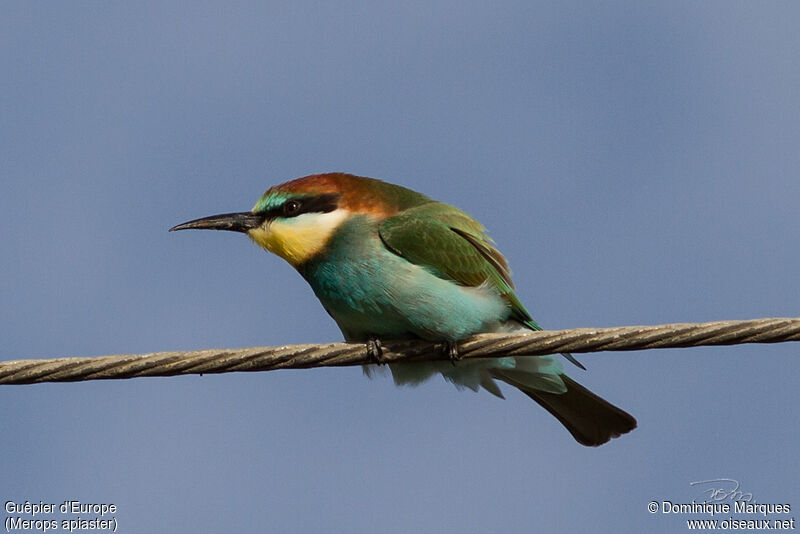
{"type": "Point", "coordinates": [454, 246]}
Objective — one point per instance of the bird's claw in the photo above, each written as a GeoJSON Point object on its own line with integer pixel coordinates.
{"type": "Point", "coordinates": [451, 349]}
{"type": "Point", "coordinates": [375, 350]}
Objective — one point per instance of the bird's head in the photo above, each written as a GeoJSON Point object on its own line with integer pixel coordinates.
{"type": "Point", "coordinates": [296, 219]}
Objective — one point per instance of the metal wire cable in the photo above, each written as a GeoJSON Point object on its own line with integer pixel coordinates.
{"type": "Point", "coordinates": [578, 340]}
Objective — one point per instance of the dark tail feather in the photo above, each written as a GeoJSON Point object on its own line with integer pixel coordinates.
{"type": "Point", "coordinates": [590, 419]}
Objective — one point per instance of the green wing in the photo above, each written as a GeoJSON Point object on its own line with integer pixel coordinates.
{"type": "Point", "coordinates": [454, 246]}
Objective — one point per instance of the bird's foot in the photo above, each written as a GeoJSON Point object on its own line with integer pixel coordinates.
{"type": "Point", "coordinates": [375, 350]}
{"type": "Point", "coordinates": [451, 350]}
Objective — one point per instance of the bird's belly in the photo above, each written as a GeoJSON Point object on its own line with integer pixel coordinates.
{"type": "Point", "coordinates": [387, 297]}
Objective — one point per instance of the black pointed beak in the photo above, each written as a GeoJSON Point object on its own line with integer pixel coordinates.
{"type": "Point", "coordinates": [234, 222]}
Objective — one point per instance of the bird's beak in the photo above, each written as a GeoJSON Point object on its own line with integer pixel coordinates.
{"type": "Point", "coordinates": [234, 222]}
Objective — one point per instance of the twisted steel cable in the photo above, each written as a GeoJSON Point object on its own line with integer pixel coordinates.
{"type": "Point", "coordinates": [578, 340]}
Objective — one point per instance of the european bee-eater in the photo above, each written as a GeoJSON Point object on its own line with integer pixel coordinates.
{"type": "Point", "coordinates": [390, 263]}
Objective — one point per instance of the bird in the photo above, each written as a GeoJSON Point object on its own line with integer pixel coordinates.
{"type": "Point", "coordinates": [387, 262]}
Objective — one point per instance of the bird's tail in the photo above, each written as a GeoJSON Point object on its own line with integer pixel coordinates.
{"type": "Point", "coordinates": [590, 419]}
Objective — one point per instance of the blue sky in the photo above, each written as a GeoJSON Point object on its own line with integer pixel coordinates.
{"type": "Point", "coordinates": [637, 163]}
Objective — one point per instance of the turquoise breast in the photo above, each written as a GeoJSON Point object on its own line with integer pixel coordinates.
{"type": "Point", "coordinates": [372, 292]}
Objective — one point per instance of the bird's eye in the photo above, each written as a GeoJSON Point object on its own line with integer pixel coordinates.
{"type": "Point", "coordinates": [291, 207]}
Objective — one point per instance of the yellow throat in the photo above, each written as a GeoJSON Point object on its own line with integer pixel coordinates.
{"type": "Point", "coordinates": [299, 238]}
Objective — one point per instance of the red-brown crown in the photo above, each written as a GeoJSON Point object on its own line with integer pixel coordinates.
{"type": "Point", "coordinates": [357, 194]}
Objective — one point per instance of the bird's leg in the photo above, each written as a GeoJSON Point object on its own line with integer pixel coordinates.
{"type": "Point", "coordinates": [451, 349]}
{"type": "Point", "coordinates": [375, 350]}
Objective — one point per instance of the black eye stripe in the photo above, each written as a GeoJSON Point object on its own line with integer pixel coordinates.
{"type": "Point", "coordinates": [293, 207]}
